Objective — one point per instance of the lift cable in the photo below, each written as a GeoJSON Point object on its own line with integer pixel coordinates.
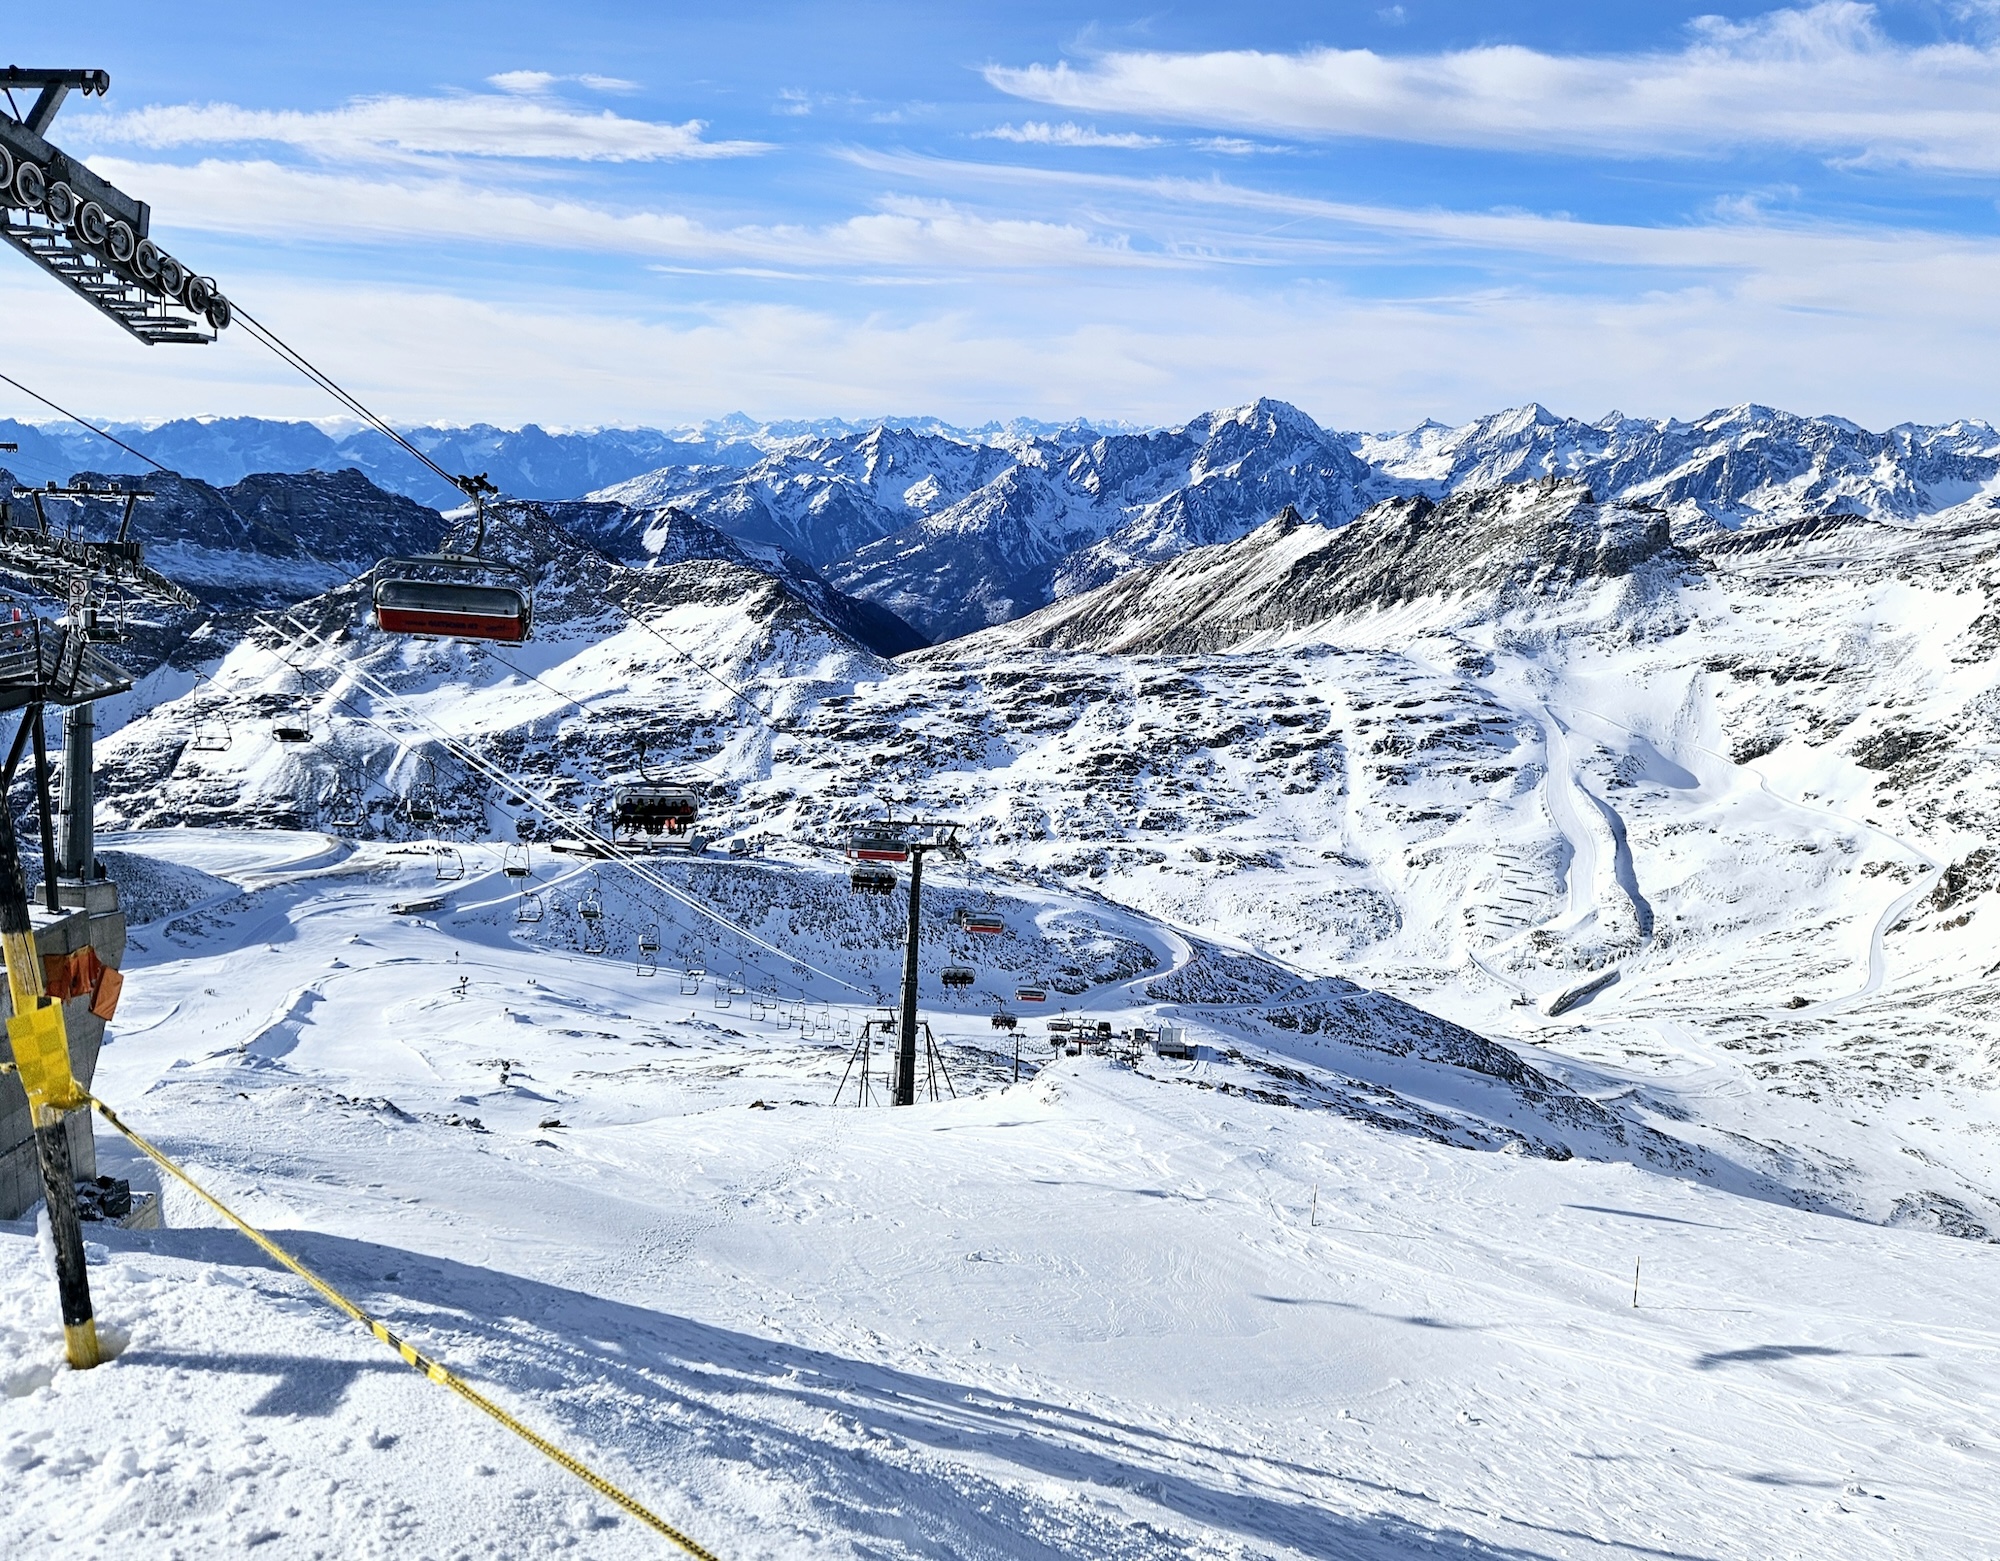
{"type": "Point", "coordinates": [45, 401]}
{"type": "Point", "coordinates": [298, 360]}
{"type": "Point", "coordinates": [577, 822]}
{"type": "Point", "coordinates": [291, 355]}
{"type": "Point", "coordinates": [571, 699]}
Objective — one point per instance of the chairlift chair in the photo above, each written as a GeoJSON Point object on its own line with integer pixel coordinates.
{"type": "Point", "coordinates": [648, 962]}
{"type": "Point", "coordinates": [592, 912]}
{"type": "Point", "coordinates": [465, 599]}
{"type": "Point", "coordinates": [514, 861]}
{"type": "Point", "coordinates": [1031, 994]}
{"type": "Point", "coordinates": [691, 979]}
{"type": "Point", "coordinates": [872, 880]}
{"type": "Point", "coordinates": [958, 976]}
{"type": "Point", "coordinates": [980, 924]}
{"type": "Point", "coordinates": [210, 737]}
{"type": "Point", "coordinates": [102, 623]}
{"type": "Point", "coordinates": [530, 907]}
{"type": "Point", "coordinates": [1004, 1020]}
{"type": "Point", "coordinates": [292, 725]}
{"type": "Point", "coordinates": [450, 864]}
{"type": "Point", "coordinates": [652, 809]}
{"type": "Point", "coordinates": [876, 843]}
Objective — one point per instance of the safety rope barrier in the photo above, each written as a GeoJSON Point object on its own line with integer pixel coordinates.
{"type": "Point", "coordinates": [411, 1355]}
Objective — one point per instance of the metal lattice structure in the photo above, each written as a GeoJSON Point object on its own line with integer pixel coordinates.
{"type": "Point", "coordinates": [87, 233]}
{"type": "Point", "coordinates": [44, 663]}
{"type": "Point", "coordinates": [66, 566]}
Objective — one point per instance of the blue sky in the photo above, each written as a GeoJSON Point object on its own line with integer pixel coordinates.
{"type": "Point", "coordinates": [605, 213]}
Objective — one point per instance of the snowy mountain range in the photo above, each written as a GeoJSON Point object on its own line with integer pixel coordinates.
{"type": "Point", "coordinates": [954, 530]}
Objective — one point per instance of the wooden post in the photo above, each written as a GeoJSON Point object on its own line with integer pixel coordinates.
{"type": "Point", "coordinates": [41, 1055]}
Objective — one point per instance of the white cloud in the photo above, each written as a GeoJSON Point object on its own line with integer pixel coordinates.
{"type": "Point", "coordinates": [1159, 354]}
{"type": "Point", "coordinates": [268, 199]}
{"type": "Point", "coordinates": [1039, 132]}
{"type": "Point", "coordinates": [518, 123]}
{"type": "Point", "coordinates": [1322, 231]}
{"type": "Point", "coordinates": [534, 82]}
{"type": "Point", "coordinates": [1234, 146]}
{"type": "Point", "coordinates": [1823, 78]}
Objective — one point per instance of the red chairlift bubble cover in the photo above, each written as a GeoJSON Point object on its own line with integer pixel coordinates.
{"type": "Point", "coordinates": [451, 610]}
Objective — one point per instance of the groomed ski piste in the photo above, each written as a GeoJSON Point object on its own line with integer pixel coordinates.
{"type": "Point", "coordinates": [1293, 1296]}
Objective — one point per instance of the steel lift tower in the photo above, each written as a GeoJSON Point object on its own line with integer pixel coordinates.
{"type": "Point", "coordinates": [62, 957]}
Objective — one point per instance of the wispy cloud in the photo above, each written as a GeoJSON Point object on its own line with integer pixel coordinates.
{"type": "Point", "coordinates": [1823, 78]}
{"type": "Point", "coordinates": [1039, 132]}
{"type": "Point", "coordinates": [538, 81]}
{"type": "Point", "coordinates": [270, 199]}
{"type": "Point", "coordinates": [519, 123]}
{"type": "Point", "coordinates": [1742, 237]}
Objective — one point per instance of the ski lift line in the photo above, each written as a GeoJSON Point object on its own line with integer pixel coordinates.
{"type": "Point", "coordinates": [85, 422]}
{"type": "Point", "coordinates": [571, 699]}
{"type": "Point", "coordinates": [576, 822]}
{"type": "Point", "coordinates": [493, 772]}
{"type": "Point", "coordinates": [291, 355]}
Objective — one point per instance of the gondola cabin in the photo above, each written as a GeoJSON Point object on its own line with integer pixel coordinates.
{"type": "Point", "coordinates": [452, 609]}
{"type": "Point", "coordinates": [1030, 994]}
{"type": "Point", "coordinates": [957, 976]}
{"type": "Point", "coordinates": [654, 810]}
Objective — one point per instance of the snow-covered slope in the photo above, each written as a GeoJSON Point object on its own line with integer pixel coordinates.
{"type": "Point", "coordinates": [1582, 912]}
{"type": "Point", "coordinates": [1483, 753]}
{"type": "Point", "coordinates": [1362, 1289]}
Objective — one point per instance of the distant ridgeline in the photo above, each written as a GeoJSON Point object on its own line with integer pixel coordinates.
{"type": "Point", "coordinates": [953, 530]}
